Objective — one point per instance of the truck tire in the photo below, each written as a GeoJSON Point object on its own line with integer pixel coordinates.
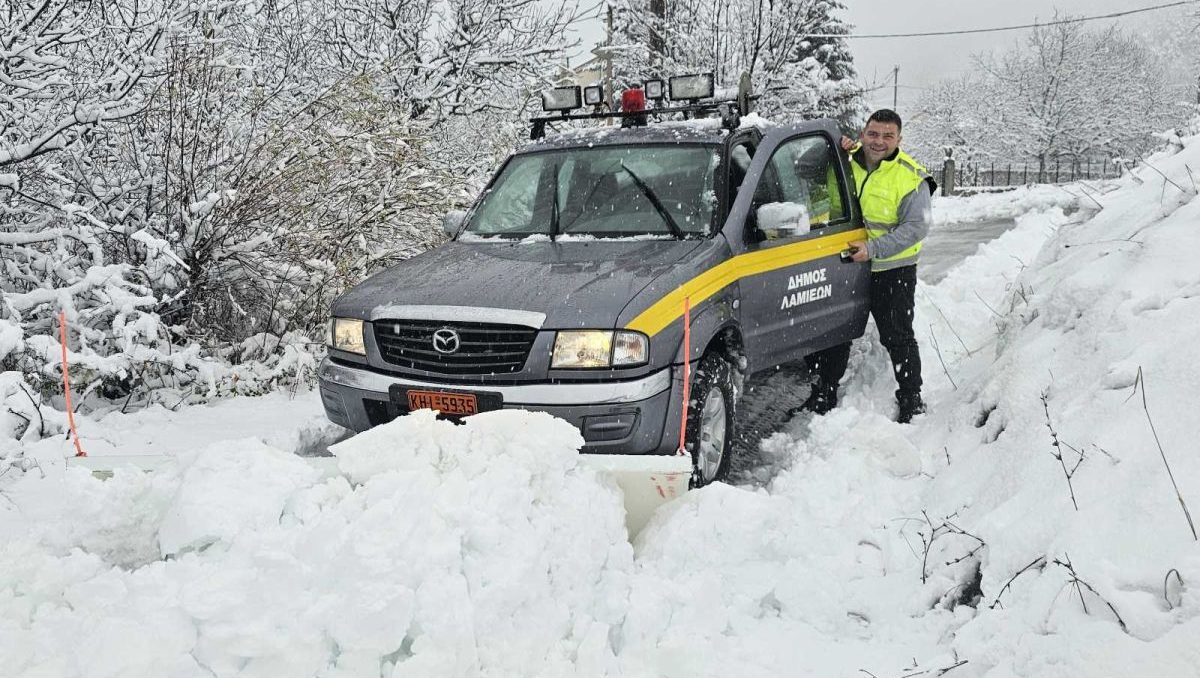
{"type": "Point", "coordinates": [710, 419]}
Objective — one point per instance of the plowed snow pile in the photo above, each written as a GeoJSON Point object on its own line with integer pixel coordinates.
{"type": "Point", "coordinates": [457, 547]}
{"type": "Point", "coordinates": [1026, 526]}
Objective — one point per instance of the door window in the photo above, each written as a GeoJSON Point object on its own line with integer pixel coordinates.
{"type": "Point", "coordinates": [799, 190]}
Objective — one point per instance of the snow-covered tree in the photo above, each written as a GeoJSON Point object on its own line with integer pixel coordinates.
{"type": "Point", "coordinates": [70, 74]}
{"type": "Point", "coordinates": [798, 75]}
{"type": "Point", "coordinates": [953, 114]}
{"type": "Point", "coordinates": [1063, 93]}
{"type": "Point", "coordinates": [1177, 44]}
{"type": "Point", "coordinates": [69, 67]}
{"type": "Point", "coordinates": [192, 181]}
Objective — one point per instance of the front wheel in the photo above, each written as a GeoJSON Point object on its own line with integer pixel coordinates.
{"type": "Point", "coordinates": [710, 420]}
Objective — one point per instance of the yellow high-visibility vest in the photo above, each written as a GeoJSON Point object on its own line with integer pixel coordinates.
{"type": "Point", "coordinates": [880, 193]}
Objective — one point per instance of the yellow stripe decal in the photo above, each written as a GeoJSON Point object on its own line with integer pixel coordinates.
{"type": "Point", "coordinates": [669, 308]}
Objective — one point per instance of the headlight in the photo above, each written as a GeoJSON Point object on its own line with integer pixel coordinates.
{"type": "Point", "coordinates": [598, 348]}
{"type": "Point", "coordinates": [346, 334]}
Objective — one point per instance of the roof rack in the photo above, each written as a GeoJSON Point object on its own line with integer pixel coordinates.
{"type": "Point", "coordinates": [730, 111]}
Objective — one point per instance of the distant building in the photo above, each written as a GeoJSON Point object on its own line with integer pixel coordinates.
{"type": "Point", "coordinates": [590, 72]}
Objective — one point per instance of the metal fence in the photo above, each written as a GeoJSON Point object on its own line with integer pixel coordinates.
{"type": "Point", "coordinates": [997, 175]}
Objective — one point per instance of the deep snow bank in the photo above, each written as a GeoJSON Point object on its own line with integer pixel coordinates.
{"type": "Point", "coordinates": [481, 549]}
{"type": "Point", "coordinates": [954, 544]}
{"type": "Point", "coordinates": [1105, 298]}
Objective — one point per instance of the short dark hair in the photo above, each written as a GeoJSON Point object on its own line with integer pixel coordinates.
{"type": "Point", "coordinates": [886, 116]}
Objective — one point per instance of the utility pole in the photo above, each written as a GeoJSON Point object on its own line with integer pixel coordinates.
{"type": "Point", "coordinates": [658, 46]}
{"type": "Point", "coordinates": [608, 65]}
{"type": "Point", "coordinates": [895, 87]}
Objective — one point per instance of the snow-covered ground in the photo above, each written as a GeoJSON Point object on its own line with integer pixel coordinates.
{"type": "Point", "coordinates": [959, 545]}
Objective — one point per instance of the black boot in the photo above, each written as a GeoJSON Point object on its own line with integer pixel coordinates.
{"type": "Point", "coordinates": [910, 406]}
{"type": "Point", "coordinates": [821, 400]}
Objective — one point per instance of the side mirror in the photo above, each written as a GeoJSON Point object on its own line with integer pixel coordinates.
{"type": "Point", "coordinates": [452, 223]}
{"type": "Point", "coordinates": [777, 220]}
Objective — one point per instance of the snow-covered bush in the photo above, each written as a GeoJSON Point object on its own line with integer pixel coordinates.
{"type": "Point", "coordinates": [192, 182]}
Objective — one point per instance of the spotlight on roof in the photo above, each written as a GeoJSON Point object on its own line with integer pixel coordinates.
{"type": "Point", "coordinates": [593, 95]}
{"type": "Point", "coordinates": [561, 99]}
{"type": "Point", "coordinates": [691, 87]}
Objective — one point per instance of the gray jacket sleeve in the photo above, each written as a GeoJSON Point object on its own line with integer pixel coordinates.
{"type": "Point", "coordinates": [915, 215]}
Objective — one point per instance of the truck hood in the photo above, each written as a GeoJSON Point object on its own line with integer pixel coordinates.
{"type": "Point", "coordinates": [574, 284]}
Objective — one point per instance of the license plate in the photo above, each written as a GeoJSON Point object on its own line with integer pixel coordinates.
{"type": "Point", "coordinates": [463, 404]}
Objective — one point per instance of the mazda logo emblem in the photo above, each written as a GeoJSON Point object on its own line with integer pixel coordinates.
{"type": "Point", "coordinates": [446, 341]}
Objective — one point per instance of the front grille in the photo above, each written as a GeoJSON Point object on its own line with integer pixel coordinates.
{"type": "Point", "coordinates": [484, 348]}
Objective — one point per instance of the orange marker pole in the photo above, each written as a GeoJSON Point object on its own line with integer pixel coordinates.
{"type": "Point", "coordinates": [62, 339]}
{"type": "Point", "coordinates": [687, 372]}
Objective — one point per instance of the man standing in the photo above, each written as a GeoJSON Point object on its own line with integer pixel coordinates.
{"type": "Point", "coordinates": [894, 192]}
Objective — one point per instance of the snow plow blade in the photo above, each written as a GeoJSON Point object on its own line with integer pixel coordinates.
{"type": "Point", "coordinates": [646, 482]}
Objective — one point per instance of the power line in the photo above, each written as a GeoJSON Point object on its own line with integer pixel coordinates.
{"type": "Point", "coordinates": [1000, 29]}
{"type": "Point", "coordinates": [876, 88]}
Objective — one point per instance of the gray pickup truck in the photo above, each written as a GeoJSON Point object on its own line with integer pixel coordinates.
{"type": "Point", "coordinates": [565, 286]}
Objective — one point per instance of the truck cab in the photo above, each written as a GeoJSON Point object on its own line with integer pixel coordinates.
{"type": "Point", "coordinates": [604, 272]}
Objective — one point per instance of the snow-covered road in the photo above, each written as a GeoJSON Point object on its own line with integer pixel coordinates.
{"type": "Point", "coordinates": [950, 243]}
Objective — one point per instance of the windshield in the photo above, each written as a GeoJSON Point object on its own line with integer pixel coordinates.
{"type": "Point", "coordinates": [607, 191]}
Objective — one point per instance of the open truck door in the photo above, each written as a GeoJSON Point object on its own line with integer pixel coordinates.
{"type": "Point", "coordinates": [794, 216]}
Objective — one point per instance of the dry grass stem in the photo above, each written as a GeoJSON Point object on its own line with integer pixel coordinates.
{"type": "Point", "coordinates": [1079, 585]}
{"type": "Point", "coordinates": [1057, 452]}
{"type": "Point", "coordinates": [951, 326]}
{"type": "Point", "coordinates": [1166, 583]}
{"type": "Point", "coordinates": [945, 528]}
{"type": "Point", "coordinates": [938, 349]}
{"type": "Point", "coordinates": [1168, 179]}
{"type": "Point", "coordinates": [1038, 562]}
{"type": "Point", "coordinates": [987, 305]}
{"type": "Point", "coordinates": [1141, 381]}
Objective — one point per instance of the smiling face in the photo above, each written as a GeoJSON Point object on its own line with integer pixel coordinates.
{"type": "Point", "coordinates": [880, 140]}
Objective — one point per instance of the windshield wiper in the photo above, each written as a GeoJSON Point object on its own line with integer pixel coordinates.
{"type": "Point", "coordinates": [658, 206]}
{"type": "Point", "coordinates": [554, 206]}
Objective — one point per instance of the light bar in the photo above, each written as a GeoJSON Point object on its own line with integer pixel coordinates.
{"type": "Point", "coordinates": [593, 95]}
{"type": "Point", "coordinates": [691, 87]}
{"type": "Point", "coordinates": [561, 99]}
{"type": "Point", "coordinates": [655, 89]}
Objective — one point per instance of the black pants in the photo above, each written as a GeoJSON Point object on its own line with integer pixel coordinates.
{"type": "Point", "coordinates": [892, 301]}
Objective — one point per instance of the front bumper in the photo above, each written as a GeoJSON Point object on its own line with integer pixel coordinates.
{"type": "Point", "coordinates": [615, 417]}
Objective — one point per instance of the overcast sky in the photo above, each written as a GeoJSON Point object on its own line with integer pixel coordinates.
{"type": "Point", "coordinates": [923, 61]}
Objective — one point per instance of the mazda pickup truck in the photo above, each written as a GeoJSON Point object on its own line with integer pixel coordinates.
{"type": "Point", "coordinates": [567, 285]}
